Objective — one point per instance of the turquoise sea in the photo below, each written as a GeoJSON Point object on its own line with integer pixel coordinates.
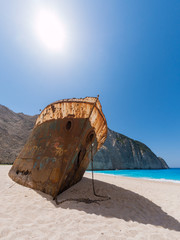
{"type": "Point", "coordinates": [172, 174]}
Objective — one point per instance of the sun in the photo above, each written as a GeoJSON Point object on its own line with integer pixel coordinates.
{"type": "Point", "coordinates": [49, 30]}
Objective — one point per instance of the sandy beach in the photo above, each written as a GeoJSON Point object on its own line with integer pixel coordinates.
{"type": "Point", "coordinates": [138, 209]}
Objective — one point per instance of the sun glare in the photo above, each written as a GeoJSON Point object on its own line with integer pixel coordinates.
{"type": "Point", "coordinates": [50, 30]}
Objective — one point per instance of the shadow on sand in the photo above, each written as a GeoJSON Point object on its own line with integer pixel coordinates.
{"type": "Point", "coordinates": [124, 204]}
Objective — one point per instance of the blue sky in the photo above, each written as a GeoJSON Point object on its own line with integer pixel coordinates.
{"type": "Point", "coordinates": [126, 51]}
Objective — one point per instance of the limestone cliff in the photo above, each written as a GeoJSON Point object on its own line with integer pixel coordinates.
{"type": "Point", "coordinates": [14, 131]}
{"type": "Point", "coordinates": [118, 152]}
{"type": "Point", "coordinates": [121, 152]}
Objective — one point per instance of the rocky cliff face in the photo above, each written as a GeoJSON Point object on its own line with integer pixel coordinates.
{"type": "Point", "coordinates": [118, 152]}
{"type": "Point", "coordinates": [14, 131]}
{"type": "Point", "coordinates": [121, 152]}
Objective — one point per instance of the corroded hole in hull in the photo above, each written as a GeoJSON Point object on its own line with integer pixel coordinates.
{"type": "Point", "coordinates": [23, 172]}
{"type": "Point", "coordinates": [90, 137]}
{"type": "Point", "coordinates": [68, 125]}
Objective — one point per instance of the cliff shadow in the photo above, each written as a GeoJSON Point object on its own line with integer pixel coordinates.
{"type": "Point", "coordinates": [123, 204]}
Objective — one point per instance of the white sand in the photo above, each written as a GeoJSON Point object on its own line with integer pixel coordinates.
{"type": "Point", "coordinates": [138, 209]}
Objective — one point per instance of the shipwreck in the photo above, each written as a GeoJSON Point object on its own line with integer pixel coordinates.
{"type": "Point", "coordinates": [65, 136]}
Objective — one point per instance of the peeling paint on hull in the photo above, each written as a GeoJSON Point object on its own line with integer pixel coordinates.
{"type": "Point", "coordinates": [58, 150]}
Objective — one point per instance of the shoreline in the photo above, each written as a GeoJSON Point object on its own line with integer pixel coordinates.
{"type": "Point", "coordinates": [144, 178]}
{"type": "Point", "coordinates": [170, 175]}
{"type": "Point", "coordinates": [138, 209]}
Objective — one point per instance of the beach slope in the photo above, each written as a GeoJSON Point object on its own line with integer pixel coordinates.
{"type": "Point", "coordinates": [138, 209]}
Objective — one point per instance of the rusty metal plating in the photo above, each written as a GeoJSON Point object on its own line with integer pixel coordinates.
{"type": "Point", "coordinates": [58, 150]}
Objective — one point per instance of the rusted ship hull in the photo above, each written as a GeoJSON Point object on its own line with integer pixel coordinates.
{"type": "Point", "coordinates": [59, 148]}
